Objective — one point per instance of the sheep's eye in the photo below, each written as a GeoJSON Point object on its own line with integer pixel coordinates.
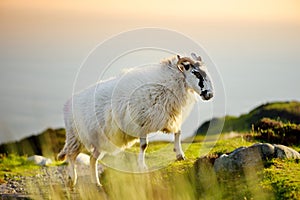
{"type": "Point", "coordinates": [186, 65]}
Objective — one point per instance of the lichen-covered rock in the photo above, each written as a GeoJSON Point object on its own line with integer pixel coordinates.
{"type": "Point", "coordinates": [253, 157]}
{"type": "Point", "coordinates": [40, 160]}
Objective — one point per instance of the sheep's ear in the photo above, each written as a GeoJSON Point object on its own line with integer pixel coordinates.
{"type": "Point", "coordinates": [180, 67]}
{"type": "Point", "coordinates": [195, 57]}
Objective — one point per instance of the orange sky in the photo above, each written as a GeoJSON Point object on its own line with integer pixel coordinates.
{"type": "Point", "coordinates": [287, 10]}
{"type": "Point", "coordinates": [69, 20]}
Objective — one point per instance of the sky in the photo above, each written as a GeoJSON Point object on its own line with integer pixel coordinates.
{"type": "Point", "coordinates": [255, 46]}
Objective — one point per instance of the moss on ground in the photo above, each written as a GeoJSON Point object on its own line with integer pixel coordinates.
{"type": "Point", "coordinates": [12, 165]}
{"type": "Point", "coordinates": [283, 179]}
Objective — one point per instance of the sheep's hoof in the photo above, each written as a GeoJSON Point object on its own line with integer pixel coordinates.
{"type": "Point", "coordinates": [102, 192]}
{"type": "Point", "coordinates": [143, 168]}
{"type": "Point", "coordinates": [99, 187]}
{"type": "Point", "coordinates": [180, 157]}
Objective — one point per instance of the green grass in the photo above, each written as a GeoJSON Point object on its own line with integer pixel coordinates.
{"type": "Point", "coordinates": [292, 107]}
{"type": "Point", "coordinates": [228, 145]}
{"type": "Point", "coordinates": [296, 147]}
{"type": "Point", "coordinates": [283, 179]}
{"type": "Point", "coordinates": [12, 165]}
{"type": "Point", "coordinates": [192, 178]}
{"type": "Point", "coordinates": [186, 179]}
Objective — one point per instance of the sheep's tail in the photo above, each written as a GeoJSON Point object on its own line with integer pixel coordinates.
{"type": "Point", "coordinates": [72, 147]}
{"type": "Point", "coordinates": [62, 154]}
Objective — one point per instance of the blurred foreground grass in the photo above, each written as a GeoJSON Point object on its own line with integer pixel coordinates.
{"type": "Point", "coordinates": [192, 178]}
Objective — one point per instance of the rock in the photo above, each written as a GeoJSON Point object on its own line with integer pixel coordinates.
{"type": "Point", "coordinates": [83, 165]}
{"type": "Point", "coordinates": [282, 151]}
{"type": "Point", "coordinates": [40, 160]}
{"type": "Point", "coordinates": [83, 159]}
{"type": "Point", "coordinates": [253, 157]}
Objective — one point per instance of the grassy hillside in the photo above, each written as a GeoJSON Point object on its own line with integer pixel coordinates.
{"type": "Point", "coordinates": [283, 111]}
{"type": "Point", "coordinates": [274, 131]}
{"type": "Point", "coordinates": [48, 144]}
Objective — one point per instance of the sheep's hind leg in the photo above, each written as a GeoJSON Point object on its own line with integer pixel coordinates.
{"type": "Point", "coordinates": [93, 166]}
{"type": "Point", "coordinates": [177, 146]}
{"type": "Point", "coordinates": [72, 168]}
{"type": "Point", "coordinates": [143, 147]}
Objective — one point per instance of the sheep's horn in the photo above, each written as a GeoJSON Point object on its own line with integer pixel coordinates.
{"type": "Point", "coordinates": [195, 57]}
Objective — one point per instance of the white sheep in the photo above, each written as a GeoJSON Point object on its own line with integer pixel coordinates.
{"type": "Point", "coordinates": [111, 115]}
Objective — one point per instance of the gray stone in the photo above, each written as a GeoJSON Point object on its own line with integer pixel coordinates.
{"type": "Point", "coordinates": [253, 157]}
{"type": "Point", "coordinates": [40, 160]}
{"type": "Point", "coordinates": [282, 151]}
{"type": "Point", "coordinates": [83, 159]}
{"type": "Point", "coordinates": [83, 163]}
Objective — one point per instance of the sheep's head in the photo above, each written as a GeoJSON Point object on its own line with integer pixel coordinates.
{"type": "Point", "coordinates": [196, 75]}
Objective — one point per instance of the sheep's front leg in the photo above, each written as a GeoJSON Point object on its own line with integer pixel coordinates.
{"type": "Point", "coordinates": [177, 146]}
{"type": "Point", "coordinates": [93, 166]}
{"type": "Point", "coordinates": [143, 147]}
